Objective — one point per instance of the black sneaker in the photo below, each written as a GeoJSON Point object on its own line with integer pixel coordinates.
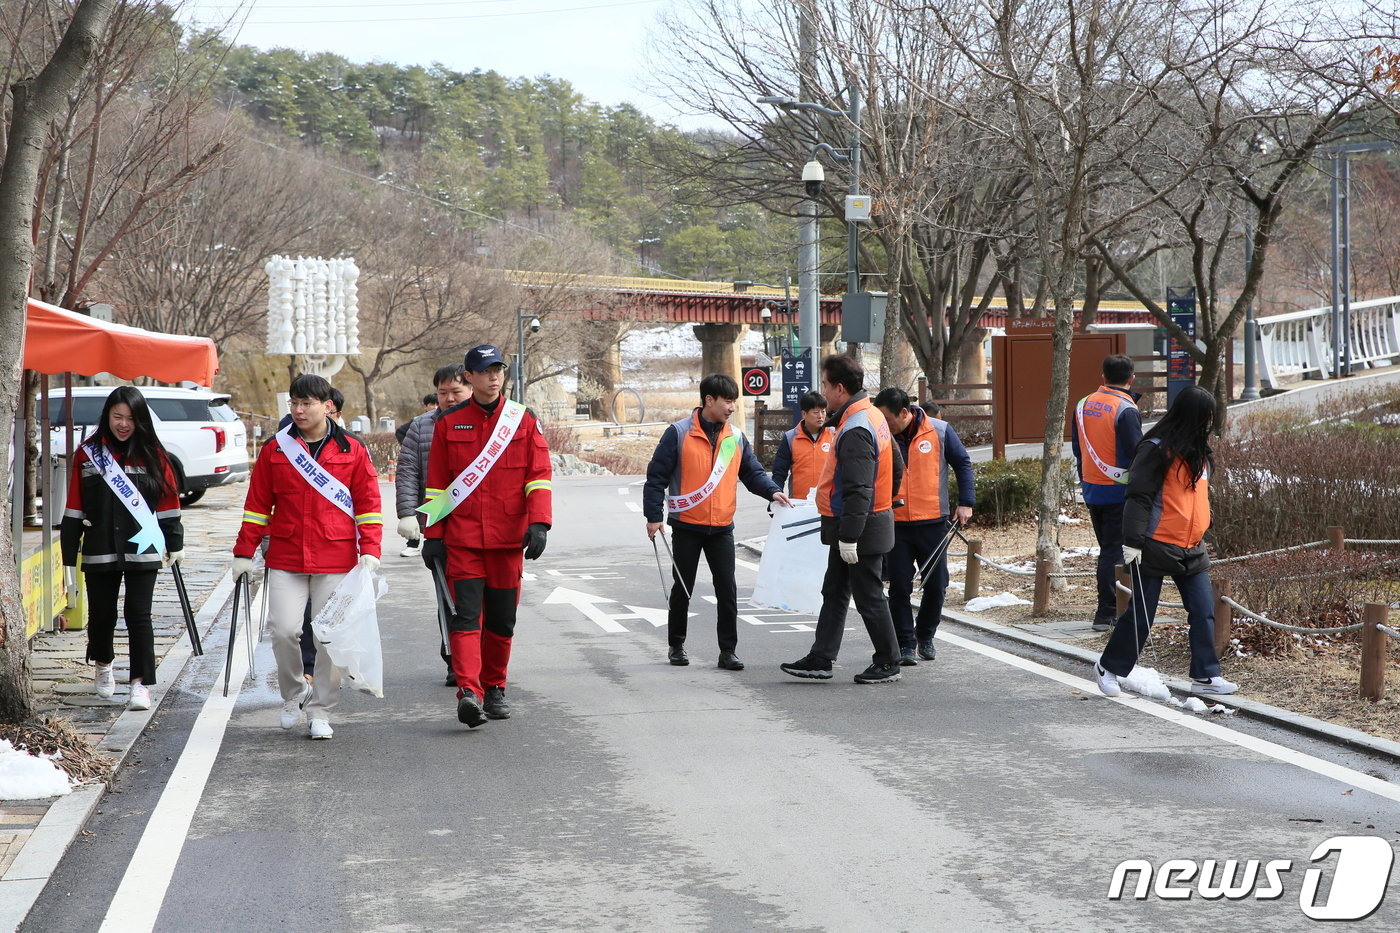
{"type": "Point", "coordinates": [677, 656]}
{"type": "Point", "coordinates": [809, 668]}
{"type": "Point", "coordinates": [451, 680]}
{"type": "Point", "coordinates": [926, 649]}
{"type": "Point", "coordinates": [469, 709]}
{"type": "Point", "coordinates": [495, 705]}
{"type": "Point", "coordinates": [879, 674]}
{"type": "Point", "coordinates": [907, 657]}
{"type": "Point", "coordinates": [1102, 625]}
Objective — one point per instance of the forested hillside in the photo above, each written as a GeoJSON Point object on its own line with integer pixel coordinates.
{"type": "Point", "coordinates": [517, 148]}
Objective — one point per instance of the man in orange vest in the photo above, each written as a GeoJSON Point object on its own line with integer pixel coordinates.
{"type": "Point", "coordinates": [855, 497]}
{"type": "Point", "coordinates": [1105, 433]}
{"type": "Point", "coordinates": [930, 446]}
{"type": "Point", "coordinates": [803, 450]}
{"type": "Point", "coordinates": [695, 474]}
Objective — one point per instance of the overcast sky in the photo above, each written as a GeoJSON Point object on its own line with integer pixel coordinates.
{"type": "Point", "coordinates": [598, 46]}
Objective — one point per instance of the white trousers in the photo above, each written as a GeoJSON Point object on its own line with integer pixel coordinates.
{"type": "Point", "coordinates": [287, 594]}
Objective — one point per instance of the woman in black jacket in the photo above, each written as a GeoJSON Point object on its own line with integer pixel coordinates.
{"type": "Point", "coordinates": [123, 519]}
{"type": "Point", "coordinates": [1165, 519]}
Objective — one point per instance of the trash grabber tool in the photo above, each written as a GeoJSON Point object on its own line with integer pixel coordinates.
{"type": "Point", "coordinates": [940, 549]}
{"type": "Point", "coordinates": [660, 574]}
{"type": "Point", "coordinates": [804, 521]}
{"type": "Point", "coordinates": [195, 644]}
{"type": "Point", "coordinates": [238, 586]}
{"type": "Point", "coordinates": [249, 640]}
{"type": "Point", "coordinates": [262, 610]}
{"type": "Point", "coordinates": [685, 589]}
{"type": "Point", "coordinates": [446, 606]}
{"type": "Point", "coordinates": [803, 534]}
{"type": "Point", "coordinates": [1137, 589]}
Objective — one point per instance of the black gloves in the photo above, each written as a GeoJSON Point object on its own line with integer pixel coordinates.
{"type": "Point", "coordinates": [433, 551]}
{"type": "Point", "coordinates": [535, 537]}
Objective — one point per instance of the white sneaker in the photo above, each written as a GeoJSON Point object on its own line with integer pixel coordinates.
{"type": "Point", "coordinates": [320, 729]}
{"type": "Point", "coordinates": [140, 697]}
{"type": "Point", "coordinates": [291, 709]}
{"type": "Point", "coordinates": [1216, 685]}
{"type": "Point", "coordinates": [1108, 683]}
{"type": "Point", "coordinates": [410, 549]}
{"type": "Point", "coordinates": [104, 684]}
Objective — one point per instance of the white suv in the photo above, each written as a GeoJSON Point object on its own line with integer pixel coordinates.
{"type": "Point", "coordinates": [205, 438]}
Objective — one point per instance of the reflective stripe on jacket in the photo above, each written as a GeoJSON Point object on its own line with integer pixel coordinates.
{"type": "Point", "coordinates": [1113, 429]}
{"type": "Point", "coordinates": [860, 414]}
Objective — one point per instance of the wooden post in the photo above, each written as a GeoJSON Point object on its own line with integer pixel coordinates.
{"type": "Point", "coordinates": [972, 574]}
{"type": "Point", "coordinates": [1337, 536]}
{"type": "Point", "coordinates": [1041, 601]}
{"type": "Point", "coordinates": [1120, 575]}
{"type": "Point", "coordinates": [1373, 652]}
{"type": "Point", "coordinates": [1224, 617]}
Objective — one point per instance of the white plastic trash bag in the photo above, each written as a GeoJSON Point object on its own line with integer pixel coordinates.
{"type": "Point", "coordinates": [794, 560]}
{"type": "Point", "coordinates": [348, 627]}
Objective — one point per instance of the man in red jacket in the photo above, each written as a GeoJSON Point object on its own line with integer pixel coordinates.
{"type": "Point", "coordinates": [489, 495]}
{"type": "Point", "coordinates": [315, 492]}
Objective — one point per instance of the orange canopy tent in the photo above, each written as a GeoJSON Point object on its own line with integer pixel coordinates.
{"type": "Point", "coordinates": [59, 341]}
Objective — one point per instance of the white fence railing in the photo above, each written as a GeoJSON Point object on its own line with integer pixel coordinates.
{"type": "Point", "coordinates": [1300, 343]}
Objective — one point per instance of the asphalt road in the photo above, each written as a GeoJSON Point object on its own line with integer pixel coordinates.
{"type": "Point", "coordinates": [984, 791]}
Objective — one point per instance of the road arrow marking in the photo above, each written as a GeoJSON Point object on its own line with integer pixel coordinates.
{"type": "Point", "coordinates": [657, 617]}
{"type": "Point", "coordinates": [587, 604]}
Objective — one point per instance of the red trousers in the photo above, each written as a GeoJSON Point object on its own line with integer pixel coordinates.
{"type": "Point", "coordinates": [485, 587]}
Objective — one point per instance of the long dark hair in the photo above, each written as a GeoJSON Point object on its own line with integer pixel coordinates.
{"type": "Point", "coordinates": [1185, 430]}
{"type": "Point", "coordinates": [144, 447]}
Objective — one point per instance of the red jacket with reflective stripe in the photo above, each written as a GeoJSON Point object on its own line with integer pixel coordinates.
{"type": "Point", "coordinates": [307, 532]}
{"type": "Point", "coordinates": [516, 493]}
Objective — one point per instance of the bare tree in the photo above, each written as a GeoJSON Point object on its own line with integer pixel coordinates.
{"type": "Point", "coordinates": [35, 103]}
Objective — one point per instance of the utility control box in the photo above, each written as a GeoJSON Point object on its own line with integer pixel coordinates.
{"type": "Point", "coordinates": [857, 207]}
{"type": "Point", "coordinates": [863, 317]}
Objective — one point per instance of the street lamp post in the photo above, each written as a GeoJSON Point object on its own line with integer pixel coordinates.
{"type": "Point", "coordinates": [1340, 156]}
{"type": "Point", "coordinates": [809, 301]}
{"type": "Point", "coordinates": [521, 317]}
{"type": "Point", "coordinates": [1251, 365]}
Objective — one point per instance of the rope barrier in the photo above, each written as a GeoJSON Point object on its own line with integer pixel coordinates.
{"type": "Point", "coordinates": [1288, 628]}
{"type": "Point", "coordinates": [1078, 573]}
{"type": "Point", "coordinates": [1372, 541]}
{"type": "Point", "coordinates": [1389, 631]}
{"type": "Point", "coordinates": [1005, 569]}
{"type": "Point", "coordinates": [1282, 550]}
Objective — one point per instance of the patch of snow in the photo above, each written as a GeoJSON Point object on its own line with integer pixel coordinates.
{"type": "Point", "coordinates": [1223, 710]}
{"type": "Point", "coordinates": [1071, 552]}
{"type": "Point", "coordinates": [1195, 704]}
{"type": "Point", "coordinates": [1145, 681]}
{"type": "Point", "coordinates": [27, 777]}
{"type": "Point", "coordinates": [983, 603]}
{"type": "Point", "coordinates": [1064, 519]}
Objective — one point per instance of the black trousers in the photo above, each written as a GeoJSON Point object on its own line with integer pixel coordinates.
{"type": "Point", "coordinates": [913, 546]}
{"type": "Point", "coordinates": [686, 548]}
{"type": "Point", "coordinates": [1107, 520]}
{"type": "Point", "coordinates": [103, 588]}
{"type": "Point", "coordinates": [860, 580]}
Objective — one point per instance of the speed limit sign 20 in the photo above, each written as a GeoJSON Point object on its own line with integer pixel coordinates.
{"type": "Point", "coordinates": [758, 380]}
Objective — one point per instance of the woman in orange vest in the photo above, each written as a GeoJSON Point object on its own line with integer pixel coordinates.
{"type": "Point", "coordinates": [1164, 524]}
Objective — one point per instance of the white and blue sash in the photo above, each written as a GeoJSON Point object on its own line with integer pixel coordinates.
{"type": "Point", "coordinates": [315, 474]}
{"type": "Point", "coordinates": [148, 534]}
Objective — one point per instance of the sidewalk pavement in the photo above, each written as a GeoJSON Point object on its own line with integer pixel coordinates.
{"type": "Point", "coordinates": [35, 834]}
{"type": "Point", "coordinates": [1057, 637]}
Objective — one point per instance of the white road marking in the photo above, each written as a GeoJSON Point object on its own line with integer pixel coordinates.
{"type": "Point", "coordinates": [632, 505]}
{"type": "Point", "coordinates": [1302, 760]}
{"type": "Point", "coordinates": [139, 897]}
{"type": "Point", "coordinates": [623, 491]}
{"type": "Point", "coordinates": [745, 563]}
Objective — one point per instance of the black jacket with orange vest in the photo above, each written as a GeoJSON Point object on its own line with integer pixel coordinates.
{"type": "Point", "coordinates": [930, 446]}
{"type": "Point", "coordinates": [684, 459]}
{"type": "Point", "coordinates": [1165, 515]}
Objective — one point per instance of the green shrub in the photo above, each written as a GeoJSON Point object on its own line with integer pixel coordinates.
{"type": "Point", "coordinates": [1009, 490]}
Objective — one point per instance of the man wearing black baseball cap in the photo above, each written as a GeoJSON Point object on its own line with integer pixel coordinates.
{"type": "Point", "coordinates": [489, 495]}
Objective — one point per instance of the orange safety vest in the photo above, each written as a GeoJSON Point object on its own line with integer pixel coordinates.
{"type": "Point", "coordinates": [693, 468]}
{"type": "Point", "coordinates": [1181, 514]}
{"type": "Point", "coordinates": [809, 455]}
{"type": "Point", "coordinates": [925, 486]}
{"type": "Point", "coordinates": [1099, 413]}
{"type": "Point", "coordinates": [859, 415]}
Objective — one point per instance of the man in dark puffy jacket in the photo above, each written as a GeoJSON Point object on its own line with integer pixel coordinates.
{"type": "Point", "coordinates": [452, 390]}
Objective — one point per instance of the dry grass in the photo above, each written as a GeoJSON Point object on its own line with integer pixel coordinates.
{"type": "Point", "coordinates": [48, 736]}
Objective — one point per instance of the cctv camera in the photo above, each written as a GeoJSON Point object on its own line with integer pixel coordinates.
{"type": "Point", "coordinates": [812, 178]}
{"type": "Point", "coordinates": [765, 313]}
{"type": "Point", "coordinates": [534, 325]}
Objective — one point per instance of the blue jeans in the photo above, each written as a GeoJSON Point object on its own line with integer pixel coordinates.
{"type": "Point", "coordinates": [1131, 631]}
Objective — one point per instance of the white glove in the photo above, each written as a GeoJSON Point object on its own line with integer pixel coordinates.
{"type": "Point", "coordinates": [369, 562]}
{"type": "Point", "coordinates": [70, 584]}
{"type": "Point", "coordinates": [408, 528]}
{"type": "Point", "coordinates": [1131, 555]}
{"type": "Point", "coordinates": [242, 565]}
{"type": "Point", "coordinates": [173, 557]}
{"type": "Point", "coordinates": [849, 551]}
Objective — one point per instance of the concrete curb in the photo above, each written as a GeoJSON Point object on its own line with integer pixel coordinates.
{"type": "Point", "coordinates": [26, 877]}
{"type": "Point", "coordinates": [1295, 722]}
